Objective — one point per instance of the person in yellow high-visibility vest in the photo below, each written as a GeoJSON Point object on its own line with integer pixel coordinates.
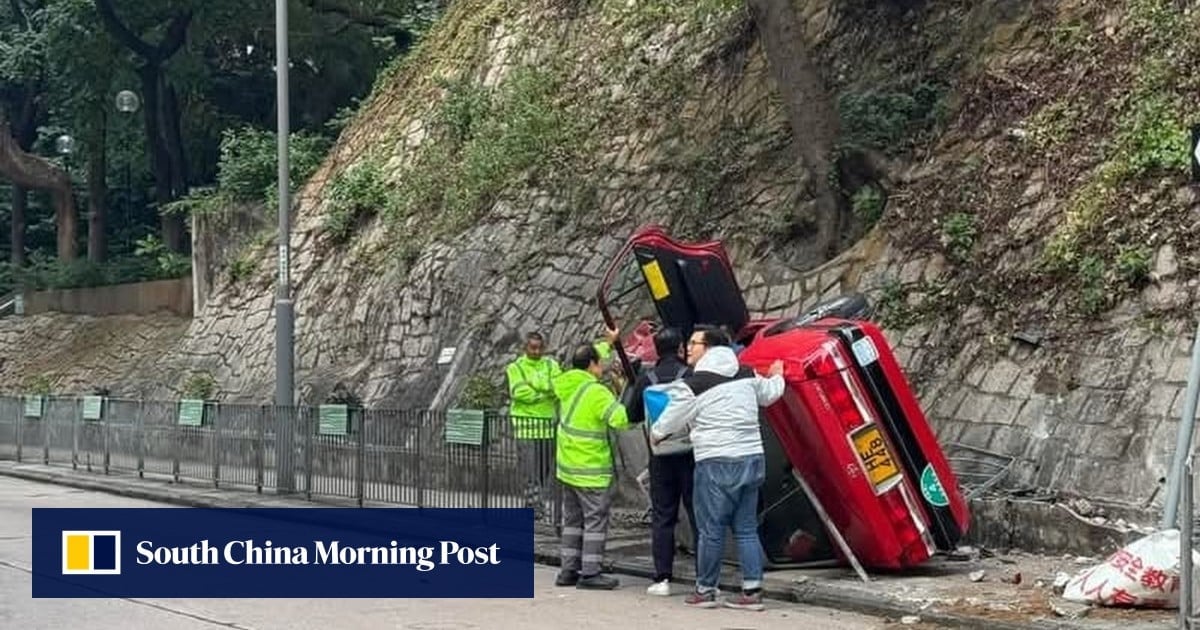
{"type": "Point", "coordinates": [532, 411]}
{"type": "Point", "coordinates": [585, 466]}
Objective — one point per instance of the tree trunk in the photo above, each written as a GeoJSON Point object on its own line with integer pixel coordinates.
{"type": "Point", "coordinates": [17, 230]}
{"type": "Point", "coordinates": [97, 201]}
{"type": "Point", "coordinates": [161, 112]}
{"type": "Point", "coordinates": [811, 111]}
{"type": "Point", "coordinates": [31, 171]}
{"type": "Point", "coordinates": [173, 226]}
{"type": "Point", "coordinates": [160, 159]}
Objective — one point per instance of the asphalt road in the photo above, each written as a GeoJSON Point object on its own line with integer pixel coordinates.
{"type": "Point", "coordinates": [552, 608]}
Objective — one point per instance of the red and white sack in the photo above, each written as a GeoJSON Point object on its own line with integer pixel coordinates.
{"type": "Point", "coordinates": [1142, 574]}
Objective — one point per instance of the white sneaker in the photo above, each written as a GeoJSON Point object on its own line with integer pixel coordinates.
{"type": "Point", "coordinates": [659, 589]}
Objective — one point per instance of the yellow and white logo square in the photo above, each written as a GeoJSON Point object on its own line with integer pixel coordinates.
{"type": "Point", "coordinates": [91, 552]}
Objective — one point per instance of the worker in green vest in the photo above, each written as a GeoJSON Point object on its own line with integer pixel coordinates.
{"type": "Point", "coordinates": [532, 412]}
{"type": "Point", "coordinates": [585, 465]}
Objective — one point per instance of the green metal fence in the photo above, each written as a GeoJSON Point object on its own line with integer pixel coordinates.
{"type": "Point", "coordinates": [454, 458]}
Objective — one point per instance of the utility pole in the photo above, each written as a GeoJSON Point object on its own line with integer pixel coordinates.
{"type": "Point", "coordinates": [284, 322]}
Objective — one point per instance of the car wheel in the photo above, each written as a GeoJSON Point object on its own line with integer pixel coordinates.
{"type": "Point", "coordinates": [849, 306]}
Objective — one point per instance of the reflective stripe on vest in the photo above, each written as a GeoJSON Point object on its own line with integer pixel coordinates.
{"type": "Point", "coordinates": [586, 436]}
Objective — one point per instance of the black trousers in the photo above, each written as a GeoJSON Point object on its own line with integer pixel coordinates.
{"type": "Point", "coordinates": [670, 483]}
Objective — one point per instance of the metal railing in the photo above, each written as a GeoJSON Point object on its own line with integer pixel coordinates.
{"type": "Point", "coordinates": [422, 458]}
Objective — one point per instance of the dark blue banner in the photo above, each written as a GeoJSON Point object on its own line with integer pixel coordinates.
{"type": "Point", "coordinates": [283, 552]}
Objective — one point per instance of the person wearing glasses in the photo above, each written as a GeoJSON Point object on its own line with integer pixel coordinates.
{"type": "Point", "coordinates": [720, 410]}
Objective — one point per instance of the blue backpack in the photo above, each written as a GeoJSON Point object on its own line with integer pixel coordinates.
{"type": "Point", "coordinates": [655, 400]}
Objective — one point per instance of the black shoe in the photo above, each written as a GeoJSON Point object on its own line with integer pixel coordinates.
{"type": "Point", "coordinates": [567, 578]}
{"type": "Point", "coordinates": [598, 583]}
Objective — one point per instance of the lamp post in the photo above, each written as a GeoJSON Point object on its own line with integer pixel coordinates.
{"type": "Point", "coordinates": [284, 324]}
{"type": "Point", "coordinates": [64, 145]}
{"type": "Point", "coordinates": [127, 103]}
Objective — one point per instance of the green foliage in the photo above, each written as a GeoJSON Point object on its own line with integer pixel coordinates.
{"type": "Point", "coordinates": [481, 392]}
{"type": "Point", "coordinates": [1152, 137]}
{"type": "Point", "coordinates": [647, 14]}
{"type": "Point", "coordinates": [249, 167]}
{"type": "Point", "coordinates": [199, 386]}
{"type": "Point", "coordinates": [465, 109]}
{"type": "Point", "coordinates": [486, 140]}
{"type": "Point", "coordinates": [1133, 265]}
{"type": "Point", "coordinates": [1053, 125]}
{"type": "Point", "coordinates": [1094, 294]}
{"type": "Point", "coordinates": [893, 308]}
{"type": "Point", "coordinates": [44, 273]}
{"type": "Point", "coordinates": [38, 385]}
{"type": "Point", "coordinates": [867, 203]}
{"type": "Point", "coordinates": [958, 235]}
{"type": "Point", "coordinates": [356, 193]}
{"type": "Point", "coordinates": [887, 119]}
{"type": "Point", "coordinates": [164, 262]}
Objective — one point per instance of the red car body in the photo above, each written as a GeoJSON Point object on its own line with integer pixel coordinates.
{"type": "Point", "coordinates": [849, 424]}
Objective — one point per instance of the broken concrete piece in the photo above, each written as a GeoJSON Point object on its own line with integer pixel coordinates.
{"type": "Point", "coordinates": [976, 576]}
{"type": "Point", "coordinates": [910, 620]}
{"type": "Point", "coordinates": [1070, 610]}
{"type": "Point", "coordinates": [1060, 582]}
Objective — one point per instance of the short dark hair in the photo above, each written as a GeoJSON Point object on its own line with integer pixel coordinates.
{"type": "Point", "coordinates": [668, 341]}
{"type": "Point", "coordinates": [535, 336]}
{"type": "Point", "coordinates": [585, 355]}
{"type": "Point", "coordinates": [713, 335]}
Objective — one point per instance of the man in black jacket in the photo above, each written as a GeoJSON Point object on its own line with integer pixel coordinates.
{"type": "Point", "coordinates": [670, 474]}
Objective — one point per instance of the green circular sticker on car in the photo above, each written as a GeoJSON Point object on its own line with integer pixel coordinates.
{"type": "Point", "coordinates": [932, 488]}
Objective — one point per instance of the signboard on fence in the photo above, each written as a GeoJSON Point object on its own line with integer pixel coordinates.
{"type": "Point", "coordinates": [191, 413]}
{"type": "Point", "coordinates": [33, 406]}
{"type": "Point", "coordinates": [93, 407]}
{"type": "Point", "coordinates": [333, 420]}
{"type": "Point", "coordinates": [464, 426]}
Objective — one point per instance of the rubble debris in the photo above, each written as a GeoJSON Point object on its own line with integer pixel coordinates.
{"type": "Point", "coordinates": [976, 576]}
{"type": "Point", "coordinates": [1060, 582]}
{"type": "Point", "coordinates": [910, 620]}
{"type": "Point", "coordinates": [1015, 578]}
{"type": "Point", "coordinates": [1070, 610]}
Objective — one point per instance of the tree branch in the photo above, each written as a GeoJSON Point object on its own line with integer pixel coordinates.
{"type": "Point", "coordinates": [108, 15]}
{"type": "Point", "coordinates": [31, 171]}
{"type": "Point", "coordinates": [176, 34]}
{"type": "Point", "coordinates": [355, 14]}
{"type": "Point", "coordinates": [19, 14]}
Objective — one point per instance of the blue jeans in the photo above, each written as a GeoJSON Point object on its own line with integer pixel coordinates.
{"type": "Point", "coordinates": [726, 496]}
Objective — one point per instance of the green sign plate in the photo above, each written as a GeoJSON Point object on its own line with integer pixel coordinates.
{"type": "Point", "coordinates": [93, 407]}
{"type": "Point", "coordinates": [464, 426]}
{"type": "Point", "coordinates": [333, 420]}
{"type": "Point", "coordinates": [33, 406]}
{"type": "Point", "coordinates": [191, 412]}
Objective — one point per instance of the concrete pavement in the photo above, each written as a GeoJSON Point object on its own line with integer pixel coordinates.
{"type": "Point", "coordinates": [939, 591]}
{"type": "Point", "coordinates": [552, 608]}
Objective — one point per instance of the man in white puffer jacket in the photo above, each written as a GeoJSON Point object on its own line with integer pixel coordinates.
{"type": "Point", "coordinates": [720, 408]}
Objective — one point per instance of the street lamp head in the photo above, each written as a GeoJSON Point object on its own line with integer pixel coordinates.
{"type": "Point", "coordinates": [64, 144]}
{"type": "Point", "coordinates": [127, 101]}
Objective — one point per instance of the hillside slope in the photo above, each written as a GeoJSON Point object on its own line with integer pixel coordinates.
{"type": "Point", "coordinates": [1007, 181]}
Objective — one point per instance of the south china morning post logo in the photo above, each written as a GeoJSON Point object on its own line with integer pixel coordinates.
{"type": "Point", "coordinates": [319, 552]}
{"type": "Point", "coordinates": [91, 552]}
{"type": "Point", "coordinates": [274, 552]}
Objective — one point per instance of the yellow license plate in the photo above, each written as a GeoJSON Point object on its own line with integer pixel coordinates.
{"type": "Point", "coordinates": [877, 460]}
